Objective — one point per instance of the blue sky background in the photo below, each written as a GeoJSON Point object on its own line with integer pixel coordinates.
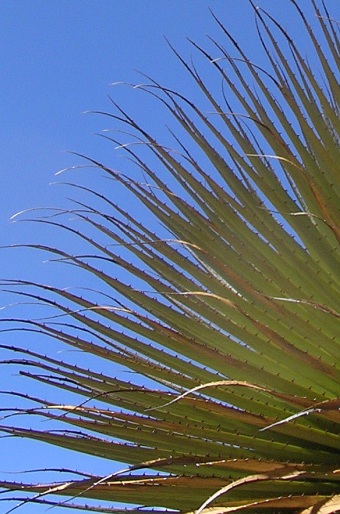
{"type": "Point", "coordinates": [57, 60]}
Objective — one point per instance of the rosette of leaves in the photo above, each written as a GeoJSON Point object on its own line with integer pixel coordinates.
{"type": "Point", "coordinates": [231, 311]}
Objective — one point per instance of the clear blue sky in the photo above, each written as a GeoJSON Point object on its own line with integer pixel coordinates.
{"type": "Point", "coordinates": [57, 60]}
